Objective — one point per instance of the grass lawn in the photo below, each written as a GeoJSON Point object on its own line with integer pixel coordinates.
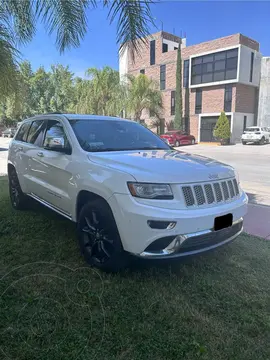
{"type": "Point", "coordinates": [55, 307]}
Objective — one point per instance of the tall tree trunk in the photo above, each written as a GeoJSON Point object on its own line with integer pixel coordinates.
{"type": "Point", "coordinates": [178, 92]}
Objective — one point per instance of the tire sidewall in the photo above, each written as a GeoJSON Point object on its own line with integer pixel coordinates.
{"type": "Point", "coordinates": [118, 259]}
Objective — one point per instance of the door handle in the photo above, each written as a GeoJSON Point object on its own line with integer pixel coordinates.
{"type": "Point", "coordinates": [40, 154]}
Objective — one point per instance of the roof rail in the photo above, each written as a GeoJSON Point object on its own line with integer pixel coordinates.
{"type": "Point", "coordinates": [53, 112]}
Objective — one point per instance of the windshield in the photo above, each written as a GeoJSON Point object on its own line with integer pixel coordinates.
{"type": "Point", "coordinates": [115, 135]}
{"type": "Point", "coordinates": [252, 129]}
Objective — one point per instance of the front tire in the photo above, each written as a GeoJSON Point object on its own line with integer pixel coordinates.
{"type": "Point", "coordinates": [17, 197]}
{"type": "Point", "coordinates": [177, 143]}
{"type": "Point", "coordinates": [99, 239]}
{"type": "Point", "coordinates": [244, 142]}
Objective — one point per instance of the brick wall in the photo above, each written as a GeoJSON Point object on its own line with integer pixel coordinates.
{"type": "Point", "coordinates": [245, 98]}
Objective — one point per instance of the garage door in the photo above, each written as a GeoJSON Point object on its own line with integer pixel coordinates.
{"type": "Point", "coordinates": [207, 128]}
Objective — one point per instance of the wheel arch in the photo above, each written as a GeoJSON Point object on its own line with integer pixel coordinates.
{"type": "Point", "coordinates": [84, 196]}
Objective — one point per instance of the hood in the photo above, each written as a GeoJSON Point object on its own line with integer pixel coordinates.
{"type": "Point", "coordinates": [166, 166]}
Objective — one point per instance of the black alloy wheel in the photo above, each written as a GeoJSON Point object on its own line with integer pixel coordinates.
{"type": "Point", "coordinates": [17, 197]}
{"type": "Point", "coordinates": [99, 239]}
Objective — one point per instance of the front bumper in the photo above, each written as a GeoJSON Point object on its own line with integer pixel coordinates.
{"type": "Point", "coordinates": [132, 221]}
{"type": "Point", "coordinates": [196, 243]}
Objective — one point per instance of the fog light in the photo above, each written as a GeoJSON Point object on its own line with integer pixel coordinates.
{"type": "Point", "coordinates": [161, 225]}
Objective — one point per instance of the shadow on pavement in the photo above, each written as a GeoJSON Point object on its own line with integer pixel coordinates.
{"type": "Point", "coordinates": [3, 149]}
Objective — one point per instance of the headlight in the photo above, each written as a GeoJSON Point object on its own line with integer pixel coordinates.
{"type": "Point", "coordinates": [150, 191]}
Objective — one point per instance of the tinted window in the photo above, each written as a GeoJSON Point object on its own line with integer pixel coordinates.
{"type": "Point", "coordinates": [186, 74]}
{"type": "Point", "coordinates": [23, 131]}
{"type": "Point", "coordinates": [115, 135]}
{"type": "Point", "coordinates": [152, 52]}
{"type": "Point", "coordinates": [198, 101]}
{"type": "Point", "coordinates": [164, 47]}
{"type": "Point", "coordinates": [162, 77]}
{"type": "Point", "coordinates": [36, 132]}
{"type": "Point", "coordinates": [55, 129]}
{"type": "Point", "coordinates": [214, 67]}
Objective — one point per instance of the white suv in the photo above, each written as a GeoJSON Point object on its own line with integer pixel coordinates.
{"type": "Point", "coordinates": [256, 134]}
{"type": "Point", "coordinates": [127, 190]}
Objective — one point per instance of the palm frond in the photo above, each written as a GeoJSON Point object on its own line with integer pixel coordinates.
{"type": "Point", "coordinates": [21, 16]}
{"type": "Point", "coordinates": [133, 21]}
{"type": "Point", "coordinates": [65, 17]}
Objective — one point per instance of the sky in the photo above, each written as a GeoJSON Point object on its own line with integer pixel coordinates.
{"type": "Point", "coordinates": [201, 21]}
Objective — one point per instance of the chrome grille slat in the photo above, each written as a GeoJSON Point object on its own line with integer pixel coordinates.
{"type": "Point", "coordinates": [199, 194]}
{"type": "Point", "coordinates": [218, 192]}
{"type": "Point", "coordinates": [188, 195]}
{"type": "Point", "coordinates": [210, 193]}
{"type": "Point", "coordinates": [236, 187]}
{"type": "Point", "coordinates": [231, 188]}
{"type": "Point", "coordinates": [225, 190]}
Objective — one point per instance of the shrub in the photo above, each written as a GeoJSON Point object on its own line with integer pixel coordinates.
{"type": "Point", "coordinates": [222, 129]}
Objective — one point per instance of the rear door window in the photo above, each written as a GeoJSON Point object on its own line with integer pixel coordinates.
{"type": "Point", "coordinates": [23, 132]}
{"type": "Point", "coordinates": [36, 132]}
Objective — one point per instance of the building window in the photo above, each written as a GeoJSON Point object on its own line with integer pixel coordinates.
{"type": "Point", "coordinates": [245, 123]}
{"type": "Point", "coordinates": [152, 52]}
{"type": "Point", "coordinates": [142, 71]}
{"type": "Point", "coordinates": [186, 74]}
{"type": "Point", "coordinates": [198, 101]}
{"type": "Point", "coordinates": [172, 102]}
{"type": "Point", "coordinates": [162, 77]}
{"type": "Point", "coordinates": [214, 67]}
{"type": "Point", "coordinates": [228, 98]}
{"type": "Point", "coordinates": [164, 47]}
{"type": "Point", "coordinates": [251, 67]}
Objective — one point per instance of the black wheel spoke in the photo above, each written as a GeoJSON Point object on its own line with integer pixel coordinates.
{"type": "Point", "coordinates": [90, 226]}
{"type": "Point", "coordinates": [104, 249]}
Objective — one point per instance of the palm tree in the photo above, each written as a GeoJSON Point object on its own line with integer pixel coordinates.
{"type": "Point", "coordinates": [107, 92]}
{"type": "Point", "coordinates": [67, 19]}
{"type": "Point", "coordinates": [143, 93]}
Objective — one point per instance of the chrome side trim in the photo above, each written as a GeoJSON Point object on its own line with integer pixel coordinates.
{"type": "Point", "coordinates": [172, 249]}
{"type": "Point", "coordinates": [50, 206]}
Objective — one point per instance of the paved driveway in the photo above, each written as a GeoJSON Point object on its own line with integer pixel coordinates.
{"type": "Point", "coordinates": [251, 161]}
{"type": "Point", "coordinates": [3, 154]}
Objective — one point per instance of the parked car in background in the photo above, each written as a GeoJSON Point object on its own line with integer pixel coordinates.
{"type": "Point", "coordinates": [10, 132]}
{"type": "Point", "coordinates": [127, 190]}
{"type": "Point", "coordinates": [256, 135]}
{"type": "Point", "coordinates": [178, 137]}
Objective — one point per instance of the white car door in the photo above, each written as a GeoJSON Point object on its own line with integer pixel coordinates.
{"type": "Point", "coordinates": [53, 169]}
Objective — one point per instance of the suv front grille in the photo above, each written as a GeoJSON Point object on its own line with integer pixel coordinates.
{"type": "Point", "coordinates": [214, 192]}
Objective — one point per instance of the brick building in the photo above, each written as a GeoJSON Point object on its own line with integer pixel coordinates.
{"type": "Point", "coordinates": [221, 74]}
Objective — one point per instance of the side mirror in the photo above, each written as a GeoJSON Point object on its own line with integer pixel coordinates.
{"type": "Point", "coordinates": [58, 144]}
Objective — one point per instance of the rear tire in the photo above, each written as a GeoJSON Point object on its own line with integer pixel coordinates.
{"type": "Point", "coordinates": [17, 197]}
{"type": "Point", "coordinates": [262, 141]}
{"type": "Point", "coordinates": [177, 143]}
{"type": "Point", "coordinates": [99, 239]}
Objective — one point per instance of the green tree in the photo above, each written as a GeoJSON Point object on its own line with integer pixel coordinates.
{"type": "Point", "coordinates": [105, 89]}
{"type": "Point", "coordinates": [66, 19]}
{"type": "Point", "coordinates": [143, 93]}
{"type": "Point", "coordinates": [222, 129]}
{"type": "Point", "coordinates": [178, 92]}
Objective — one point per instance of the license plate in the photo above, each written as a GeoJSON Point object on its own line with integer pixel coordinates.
{"type": "Point", "coordinates": [222, 222]}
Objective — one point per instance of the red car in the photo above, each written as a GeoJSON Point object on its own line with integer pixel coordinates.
{"type": "Point", "coordinates": [178, 137]}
